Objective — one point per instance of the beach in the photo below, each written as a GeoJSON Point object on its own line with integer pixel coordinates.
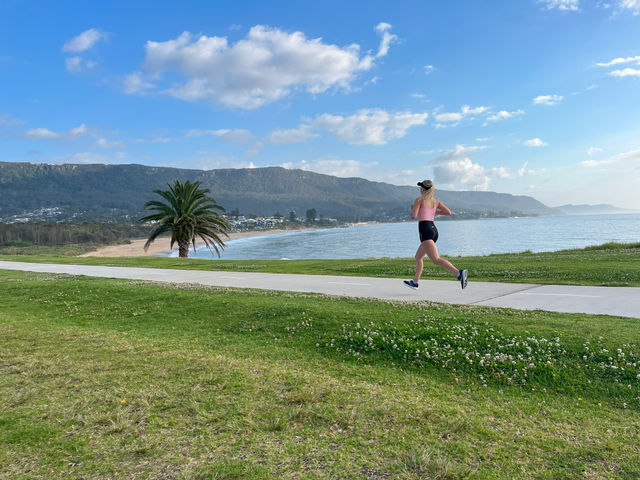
{"type": "Point", "coordinates": [162, 245]}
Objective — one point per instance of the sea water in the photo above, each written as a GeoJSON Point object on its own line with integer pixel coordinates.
{"type": "Point", "coordinates": [464, 237]}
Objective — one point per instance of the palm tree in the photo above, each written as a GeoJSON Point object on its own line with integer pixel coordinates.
{"type": "Point", "coordinates": [189, 214]}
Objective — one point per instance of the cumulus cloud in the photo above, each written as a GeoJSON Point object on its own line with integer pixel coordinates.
{"type": "Point", "coordinates": [293, 135]}
{"type": "Point", "coordinates": [500, 172]}
{"type": "Point", "coordinates": [237, 137]}
{"type": "Point", "coordinates": [6, 119]}
{"type": "Point", "coordinates": [87, 157]}
{"type": "Point", "coordinates": [627, 72]}
{"type": "Point", "coordinates": [104, 144]}
{"type": "Point", "coordinates": [628, 157]}
{"type": "Point", "coordinates": [535, 142]}
{"type": "Point", "coordinates": [387, 39]}
{"type": "Point", "coordinates": [593, 150]}
{"type": "Point", "coordinates": [457, 116]}
{"type": "Point", "coordinates": [428, 69]}
{"type": "Point", "coordinates": [547, 99]}
{"type": "Point", "coordinates": [524, 171]}
{"type": "Point", "coordinates": [455, 168]}
{"type": "Point", "coordinates": [369, 126]}
{"type": "Point", "coordinates": [84, 41]}
{"type": "Point", "coordinates": [561, 4]}
{"type": "Point", "coordinates": [617, 61]}
{"type": "Point", "coordinates": [46, 134]}
{"type": "Point", "coordinates": [334, 167]}
{"type": "Point", "coordinates": [265, 66]}
{"type": "Point", "coordinates": [502, 115]}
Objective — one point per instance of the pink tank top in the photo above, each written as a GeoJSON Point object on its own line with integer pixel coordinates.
{"type": "Point", "coordinates": [427, 213]}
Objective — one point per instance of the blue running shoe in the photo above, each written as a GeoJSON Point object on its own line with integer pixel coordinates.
{"type": "Point", "coordinates": [462, 276]}
{"type": "Point", "coordinates": [411, 284]}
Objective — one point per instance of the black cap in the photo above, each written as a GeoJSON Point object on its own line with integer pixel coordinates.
{"type": "Point", "coordinates": [426, 187]}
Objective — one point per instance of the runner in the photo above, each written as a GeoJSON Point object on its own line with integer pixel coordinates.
{"type": "Point", "coordinates": [425, 208]}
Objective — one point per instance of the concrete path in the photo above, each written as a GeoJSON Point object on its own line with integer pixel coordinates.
{"type": "Point", "coordinates": [622, 301]}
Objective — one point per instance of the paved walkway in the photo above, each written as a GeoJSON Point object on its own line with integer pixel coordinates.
{"type": "Point", "coordinates": [622, 301]}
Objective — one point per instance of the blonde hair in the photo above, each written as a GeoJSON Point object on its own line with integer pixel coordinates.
{"type": "Point", "coordinates": [427, 195]}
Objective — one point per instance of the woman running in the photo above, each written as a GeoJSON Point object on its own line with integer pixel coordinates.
{"type": "Point", "coordinates": [425, 208]}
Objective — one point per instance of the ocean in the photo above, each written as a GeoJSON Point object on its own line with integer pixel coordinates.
{"type": "Point", "coordinates": [464, 237]}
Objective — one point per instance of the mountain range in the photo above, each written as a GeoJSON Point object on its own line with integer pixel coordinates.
{"type": "Point", "coordinates": [601, 209]}
{"type": "Point", "coordinates": [262, 191]}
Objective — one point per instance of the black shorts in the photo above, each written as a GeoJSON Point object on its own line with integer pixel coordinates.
{"type": "Point", "coordinates": [428, 231]}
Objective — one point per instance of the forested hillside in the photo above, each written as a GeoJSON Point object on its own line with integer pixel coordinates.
{"type": "Point", "coordinates": [263, 191]}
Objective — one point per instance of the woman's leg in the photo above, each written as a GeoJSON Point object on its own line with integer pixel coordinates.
{"type": "Point", "coordinates": [429, 247]}
{"type": "Point", "coordinates": [419, 262]}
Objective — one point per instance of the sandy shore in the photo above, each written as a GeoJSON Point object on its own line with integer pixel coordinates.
{"type": "Point", "coordinates": [161, 245]}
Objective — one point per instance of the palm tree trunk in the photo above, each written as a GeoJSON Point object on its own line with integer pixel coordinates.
{"type": "Point", "coordinates": [183, 250]}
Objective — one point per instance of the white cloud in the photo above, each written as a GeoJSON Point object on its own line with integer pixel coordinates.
{"type": "Point", "coordinates": [369, 126]}
{"type": "Point", "coordinates": [104, 144]}
{"type": "Point", "coordinates": [84, 41]}
{"type": "Point", "coordinates": [457, 116]}
{"type": "Point", "coordinates": [561, 4]}
{"type": "Point", "coordinates": [156, 138]}
{"type": "Point", "coordinates": [387, 39]}
{"type": "Point", "coordinates": [535, 142]}
{"type": "Point", "coordinates": [235, 27]}
{"type": "Point", "coordinates": [293, 135]}
{"type": "Point", "coordinates": [483, 139]}
{"type": "Point", "coordinates": [592, 151]}
{"type": "Point", "coordinates": [87, 157]}
{"type": "Point", "coordinates": [418, 95]}
{"type": "Point", "coordinates": [136, 83]}
{"type": "Point", "coordinates": [91, 64]}
{"type": "Point", "coordinates": [500, 172]}
{"type": "Point", "coordinates": [216, 161]}
{"type": "Point", "coordinates": [73, 64]}
{"type": "Point", "coordinates": [6, 119]}
{"type": "Point", "coordinates": [503, 114]}
{"type": "Point", "coordinates": [237, 137]}
{"type": "Point", "coordinates": [46, 134]}
{"type": "Point", "coordinates": [454, 169]}
{"type": "Point", "coordinates": [428, 69]}
{"type": "Point", "coordinates": [265, 66]}
{"type": "Point", "coordinates": [627, 72]}
{"type": "Point", "coordinates": [524, 171]}
{"type": "Point", "coordinates": [334, 167]}
{"type": "Point", "coordinates": [547, 99]}
{"type": "Point", "coordinates": [633, 157]}
{"type": "Point", "coordinates": [591, 87]}
{"type": "Point", "coordinates": [633, 5]}
{"type": "Point", "coordinates": [617, 61]}
{"type": "Point", "coordinates": [423, 152]}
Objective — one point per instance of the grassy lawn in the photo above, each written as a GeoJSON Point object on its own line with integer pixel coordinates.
{"type": "Point", "coordinates": [610, 264]}
{"type": "Point", "coordinates": [104, 378]}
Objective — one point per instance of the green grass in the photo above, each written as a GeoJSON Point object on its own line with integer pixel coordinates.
{"type": "Point", "coordinates": [103, 378]}
{"type": "Point", "coordinates": [611, 264]}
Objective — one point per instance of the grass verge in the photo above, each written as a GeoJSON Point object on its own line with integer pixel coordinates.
{"type": "Point", "coordinates": [611, 264]}
{"type": "Point", "coordinates": [106, 378]}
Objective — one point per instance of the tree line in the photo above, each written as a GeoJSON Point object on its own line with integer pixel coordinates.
{"type": "Point", "coordinates": [52, 234]}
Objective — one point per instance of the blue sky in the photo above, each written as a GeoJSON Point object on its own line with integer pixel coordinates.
{"type": "Point", "coordinates": [531, 97]}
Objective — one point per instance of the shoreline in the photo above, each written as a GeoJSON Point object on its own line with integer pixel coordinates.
{"type": "Point", "coordinates": [162, 245]}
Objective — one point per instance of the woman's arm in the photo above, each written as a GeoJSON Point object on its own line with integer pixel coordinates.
{"type": "Point", "coordinates": [415, 207]}
{"type": "Point", "coordinates": [442, 209]}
